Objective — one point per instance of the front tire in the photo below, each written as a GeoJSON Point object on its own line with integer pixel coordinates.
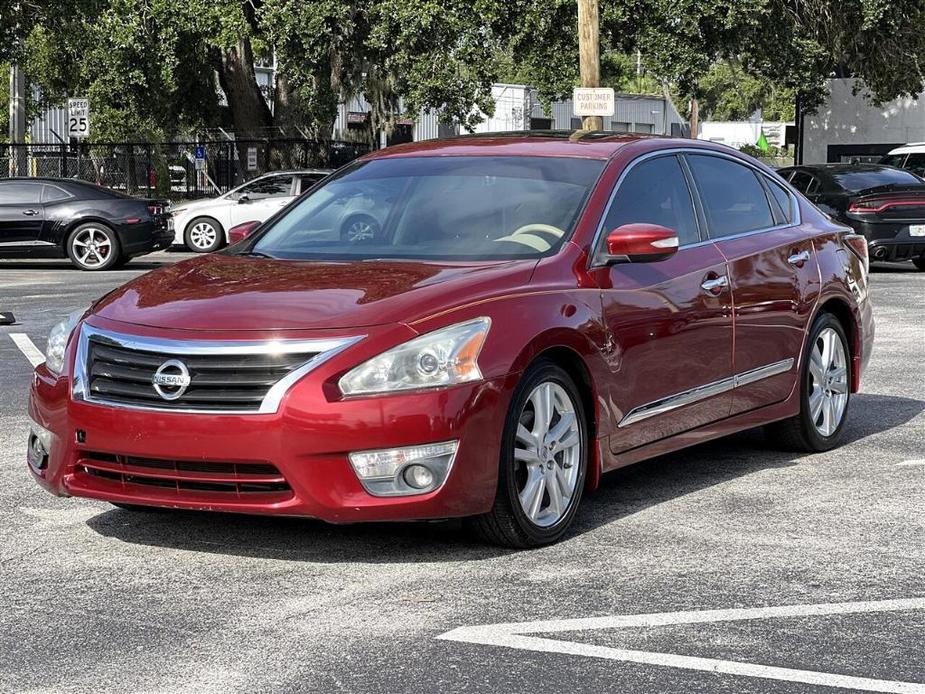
{"type": "Point", "coordinates": [825, 392]}
{"type": "Point", "coordinates": [543, 462]}
{"type": "Point", "coordinates": [204, 235]}
{"type": "Point", "coordinates": [93, 246]}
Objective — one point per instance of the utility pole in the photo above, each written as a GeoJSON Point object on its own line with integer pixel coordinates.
{"type": "Point", "coordinates": [589, 54]}
{"type": "Point", "coordinates": [17, 104]}
{"type": "Point", "coordinates": [17, 101]}
{"type": "Point", "coordinates": [695, 118]}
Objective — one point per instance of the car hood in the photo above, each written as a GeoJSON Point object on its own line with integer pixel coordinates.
{"type": "Point", "coordinates": [230, 293]}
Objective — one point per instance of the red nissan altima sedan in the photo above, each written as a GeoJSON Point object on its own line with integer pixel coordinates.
{"type": "Point", "coordinates": [521, 314]}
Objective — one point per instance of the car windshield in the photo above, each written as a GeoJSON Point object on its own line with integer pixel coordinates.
{"type": "Point", "coordinates": [437, 208]}
{"type": "Point", "coordinates": [863, 179]}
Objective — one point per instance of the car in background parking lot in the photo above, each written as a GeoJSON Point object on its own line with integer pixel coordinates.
{"type": "Point", "coordinates": [884, 204]}
{"type": "Point", "coordinates": [910, 157]}
{"type": "Point", "coordinates": [202, 225]}
{"type": "Point", "coordinates": [534, 310]}
{"type": "Point", "coordinates": [97, 228]}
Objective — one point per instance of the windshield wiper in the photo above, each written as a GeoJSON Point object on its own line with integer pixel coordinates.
{"type": "Point", "coordinates": [258, 254]}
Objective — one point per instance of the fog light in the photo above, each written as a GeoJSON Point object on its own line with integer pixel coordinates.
{"type": "Point", "coordinates": [404, 471]}
{"type": "Point", "coordinates": [39, 447]}
{"type": "Point", "coordinates": [419, 476]}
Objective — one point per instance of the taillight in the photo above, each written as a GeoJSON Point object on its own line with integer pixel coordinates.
{"type": "Point", "coordinates": [241, 231]}
{"type": "Point", "coordinates": [155, 210]}
{"type": "Point", "coordinates": [858, 244]}
{"type": "Point", "coordinates": [875, 205]}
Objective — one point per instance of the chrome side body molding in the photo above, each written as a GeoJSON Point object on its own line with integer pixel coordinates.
{"type": "Point", "coordinates": [689, 397]}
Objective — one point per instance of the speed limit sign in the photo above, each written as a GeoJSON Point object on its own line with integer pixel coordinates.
{"type": "Point", "coordinates": [78, 118]}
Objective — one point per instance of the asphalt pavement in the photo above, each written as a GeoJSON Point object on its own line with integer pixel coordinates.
{"type": "Point", "coordinates": [728, 567]}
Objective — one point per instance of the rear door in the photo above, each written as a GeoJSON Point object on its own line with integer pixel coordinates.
{"type": "Point", "coordinates": [774, 277]}
{"type": "Point", "coordinates": [670, 321]}
{"type": "Point", "coordinates": [21, 213]}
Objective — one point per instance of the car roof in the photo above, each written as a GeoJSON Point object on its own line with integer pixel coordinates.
{"type": "Point", "coordinates": [546, 143]}
{"type": "Point", "coordinates": [63, 182]}
{"type": "Point", "coordinates": [829, 171]}
{"type": "Point", "coordinates": [841, 168]}
{"type": "Point", "coordinates": [296, 172]}
{"type": "Point", "coordinates": [910, 148]}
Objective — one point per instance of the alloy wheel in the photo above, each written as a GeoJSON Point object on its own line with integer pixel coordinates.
{"type": "Point", "coordinates": [92, 247]}
{"type": "Point", "coordinates": [547, 454]}
{"type": "Point", "coordinates": [827, 382]}
{"type": "Point", "coordinates": [203, 236]}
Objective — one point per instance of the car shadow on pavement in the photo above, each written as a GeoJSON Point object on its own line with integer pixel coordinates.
{"type": "Point", "coordinates": [134, 266]}
{"type": "Point", "coordinates": [887, 268]}
{"type": "Point", "coordinates": [622, 493]}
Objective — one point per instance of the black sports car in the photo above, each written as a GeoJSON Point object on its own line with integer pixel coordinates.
{"type": "Point", "coordinates": [884, 204]}
{"type": "Point", "coordinates": [97, 228]}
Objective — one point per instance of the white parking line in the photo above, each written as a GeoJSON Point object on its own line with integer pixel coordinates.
{"type": "Point", "coordinates": [513, 635]}
{"type": "Point", "coordinates": [911, 463]}
{"type": "Point", "coordinates": [28, 348]}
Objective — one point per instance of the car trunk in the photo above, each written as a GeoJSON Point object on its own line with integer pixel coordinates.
{"type": "Point", "coordinates": [159, 211]}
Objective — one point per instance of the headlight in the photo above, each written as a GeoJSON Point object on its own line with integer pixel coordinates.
{"type": "Point", "coordinates": [441, 358]}
{"type": "Point", "coordinates": [57, 341]}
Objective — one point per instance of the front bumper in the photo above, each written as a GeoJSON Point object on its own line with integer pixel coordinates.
{"type": "Point", "coordinates": [307, 441]}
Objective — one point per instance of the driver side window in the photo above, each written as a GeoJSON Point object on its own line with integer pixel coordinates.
{"type": "Point", "coordinates": [655, 192]}
{"type": "Point", "coordinates": [269, 187]}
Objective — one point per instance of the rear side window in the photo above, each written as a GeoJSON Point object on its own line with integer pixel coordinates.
{"type": "Point", "coordinates": [54, 194]}
{"type": "Point", "coordinates": [655, 192]}
{"type": "Point", "coordinates": [804, 182]}
{"type": "Point", "coordinates": [733, 198]}
{"type": "Point", "coordinates": [20, 193]}
{"type": "Point", "coordinates": [782, 199]}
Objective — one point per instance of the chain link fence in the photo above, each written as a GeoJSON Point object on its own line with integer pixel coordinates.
{"type": "Point", "coordinates": [172, 169]}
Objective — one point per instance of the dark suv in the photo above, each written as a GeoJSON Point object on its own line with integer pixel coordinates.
{"type": "Point", "coordinates": [884, 204]}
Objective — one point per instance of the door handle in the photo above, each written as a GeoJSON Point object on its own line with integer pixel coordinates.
{"type": "Point", "coordinates": [798, 258]}
{"type": "Point", "coordinates": [30, 213]}
{"type": "Point", "coordinates": [714, 285]}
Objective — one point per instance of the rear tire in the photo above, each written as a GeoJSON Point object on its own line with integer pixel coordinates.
{"type": "Point", "coordinates": [93, 246]}
{"type": "Point", "coordinates": [539, 485]}
{"type": "Point", "coordinates": [825, 392]}
{"type": "Point", "coordinates": [204, 235]}
{"type": "Point", "coordinates": [919, 262]}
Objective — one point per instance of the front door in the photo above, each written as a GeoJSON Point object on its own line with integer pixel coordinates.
{"type": "Point", "coordinates": [263, 198]}
{"type": "Point", "coordinates": [21, 214]}
{"type": "Point", "coordinates": [772, 269]}
{"type": "Point", "coordinates": [670, 322]}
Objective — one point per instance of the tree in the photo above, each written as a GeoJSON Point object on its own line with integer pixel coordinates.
{"type": "Point", "coordinates": [402, 55]}
{"type": "Point", "coordinates": [727, 92]}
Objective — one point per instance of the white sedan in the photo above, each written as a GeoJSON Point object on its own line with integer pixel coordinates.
{"type": "Point", "coordinates": [202, 225]}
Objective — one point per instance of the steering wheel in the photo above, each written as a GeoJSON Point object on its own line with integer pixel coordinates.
{"type": "Point", "coordinates": [528, 236]}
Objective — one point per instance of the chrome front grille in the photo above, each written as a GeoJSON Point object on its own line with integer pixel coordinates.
{"type": "Point", "coordinates": [199, 376]}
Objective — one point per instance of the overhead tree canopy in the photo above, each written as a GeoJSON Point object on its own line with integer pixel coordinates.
{"type": "Point", "coordinates": [154, 67]}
